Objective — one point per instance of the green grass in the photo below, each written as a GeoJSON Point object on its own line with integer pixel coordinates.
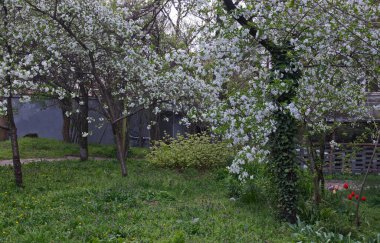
{"type": "Point", "coordinates": [75, 201]}
{"type": "Point", "coordinates": [50, 148]}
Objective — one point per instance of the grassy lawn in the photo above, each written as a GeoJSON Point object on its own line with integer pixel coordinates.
{"type": "Point", "coordinates": [89, 201]}
{"type": "Point", "coordinates": [74, 201]}
{"type": "Point", "coordinates": [50, 148]}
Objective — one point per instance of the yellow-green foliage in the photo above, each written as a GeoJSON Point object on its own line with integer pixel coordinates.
{"type": "Point", "coordinates": [194, 150]}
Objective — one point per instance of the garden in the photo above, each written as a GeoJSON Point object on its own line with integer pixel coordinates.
{"type": "Point", "coordinates": [189, 121]}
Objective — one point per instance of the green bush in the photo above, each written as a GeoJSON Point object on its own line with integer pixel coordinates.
{"type": "Point", "coordinates": [195, 150]}
{"type": "Point", "coordinates": [258, 189]}
{"type": "Point", "coordinates": [303, 232]}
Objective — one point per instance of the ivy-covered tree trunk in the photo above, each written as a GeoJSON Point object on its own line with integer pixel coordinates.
{"type": "Point", "coordinates": [283, 140]}
{"type": "Point", "coordinates": [283, 165]}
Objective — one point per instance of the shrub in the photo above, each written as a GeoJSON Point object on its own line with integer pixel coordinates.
{"type": "Point", "coordinates": [195, 150]}
{"type": "Point", "coordinates": [257, 189]}
{"type": "Point", "coordinates": [303, 232]}
{"type": "Point", "coordinates": [336, 211]}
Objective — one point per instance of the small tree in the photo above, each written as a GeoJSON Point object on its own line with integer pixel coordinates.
{"type": "Point", "coordinates": [123, 69]}
{"type": "Point", "coordinates": [17, 67]}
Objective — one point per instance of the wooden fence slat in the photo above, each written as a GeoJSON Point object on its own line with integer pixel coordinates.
{"type": "Point", "coordinates": [356, 159]}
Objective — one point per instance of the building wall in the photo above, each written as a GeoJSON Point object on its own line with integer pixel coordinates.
{"type": "Point", "coordinates": [44, 117]}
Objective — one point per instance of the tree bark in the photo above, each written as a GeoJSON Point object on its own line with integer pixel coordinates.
{"type": "Point", "coordinates": [317, 198]}
{"type": "Point", "coordinates": [66, 128]}
{"type": "Point", "coordinates": [3, 132]}
{"type": "Point", "coordinates": [120, 141]}
{"type": "Point", "coordinates": [322, 149]}
{"type": "Point", "coordinates": [83, 139]}
{"type": "Point", "coordinates": [154, 131]}
{"type": "Point", "coordinates": [65, 107]}
{"type": "Point", "coordinates": [14, 142]}
{"type": "Point", "coordinates": [141, 128]}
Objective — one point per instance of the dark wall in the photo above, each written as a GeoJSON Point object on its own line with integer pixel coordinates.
{"type": "Point", "coordinates": [41, 117]}
{"type": "Point", "coordinates": [44, 117]}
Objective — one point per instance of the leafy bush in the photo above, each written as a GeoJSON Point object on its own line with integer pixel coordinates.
{"type": "Point", "coordinates": [336, 212]}
{"type": "Point", "coordinates": [257, 189]}
{"type": "Point", "coordinates": [194, 150]}
{"type": "Point", "coordinates": [317, 233]}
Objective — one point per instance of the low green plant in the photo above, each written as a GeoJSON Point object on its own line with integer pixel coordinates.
{"type": "Point", "coordinates": [178, 237]}
{"type": "Point", "coordinates": [335, 213]}
{"type": "Point", "coordinates": [191, 151]}
{"type": "Point", "coordinates": [303, 232]}
{"type": "Point", "coordinates": [258, 188]}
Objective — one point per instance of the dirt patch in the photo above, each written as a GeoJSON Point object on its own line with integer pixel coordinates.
{"type": "Point", "coordinates": [352, 185]}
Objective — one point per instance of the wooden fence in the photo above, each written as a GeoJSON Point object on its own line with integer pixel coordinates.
{"type": "Point", "coordinates": [348, 158]}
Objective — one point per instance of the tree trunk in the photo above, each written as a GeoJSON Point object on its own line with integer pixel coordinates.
{"type": "Point", "coordinates": [3, 132]}
{"type": "Point", "coordinates": [120, 140]}
{"type": "Point", "coordinates": [154, 131]}
{"type": "Point", "coordinates": [14, 143]}
{"type": "Point", "coordinates": [83, 108]}
{"type": "Point", "coordinates": [141, 128]}
{"type": "Point", "coordinates": [126, 141]}
{"type": "Point", "coordinates": [66, 107]}
{"type": "Point", "coordinates": [66, 128]}
{"type": "Point", "coordinates": [282, 141]}
{"type": "Point", "coordinates": [322, 149]}
{"type": "Point", "coordinates": [284, 167]}
{"type": "Point", "coordinates": [317, 189]}
{"type": "Point", "coordinates": [11, 123]}
{"type": "Point", "coordinates": [315, 171]}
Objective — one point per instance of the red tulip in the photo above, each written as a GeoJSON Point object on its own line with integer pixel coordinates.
{"type": "Point", "coordinates": [349, 197]}
{"type": "Point", "coordinates": [364, 198]}
{"type": "Point", "coordinates": [353, 193]}
{"type": "Point", "coordinates": [345, 186]}
{"type": "Point", "coordinates": [357, 197]}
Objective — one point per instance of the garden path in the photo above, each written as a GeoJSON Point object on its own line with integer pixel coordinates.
{"type": "Point", "coordinates": [26, 161]}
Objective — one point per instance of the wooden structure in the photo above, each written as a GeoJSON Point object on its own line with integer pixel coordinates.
{"type": "Point", "coordinates": [348, 159]}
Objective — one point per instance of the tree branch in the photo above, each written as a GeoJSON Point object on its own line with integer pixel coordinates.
{"type": "Point", "coordinates": [267, 44]}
